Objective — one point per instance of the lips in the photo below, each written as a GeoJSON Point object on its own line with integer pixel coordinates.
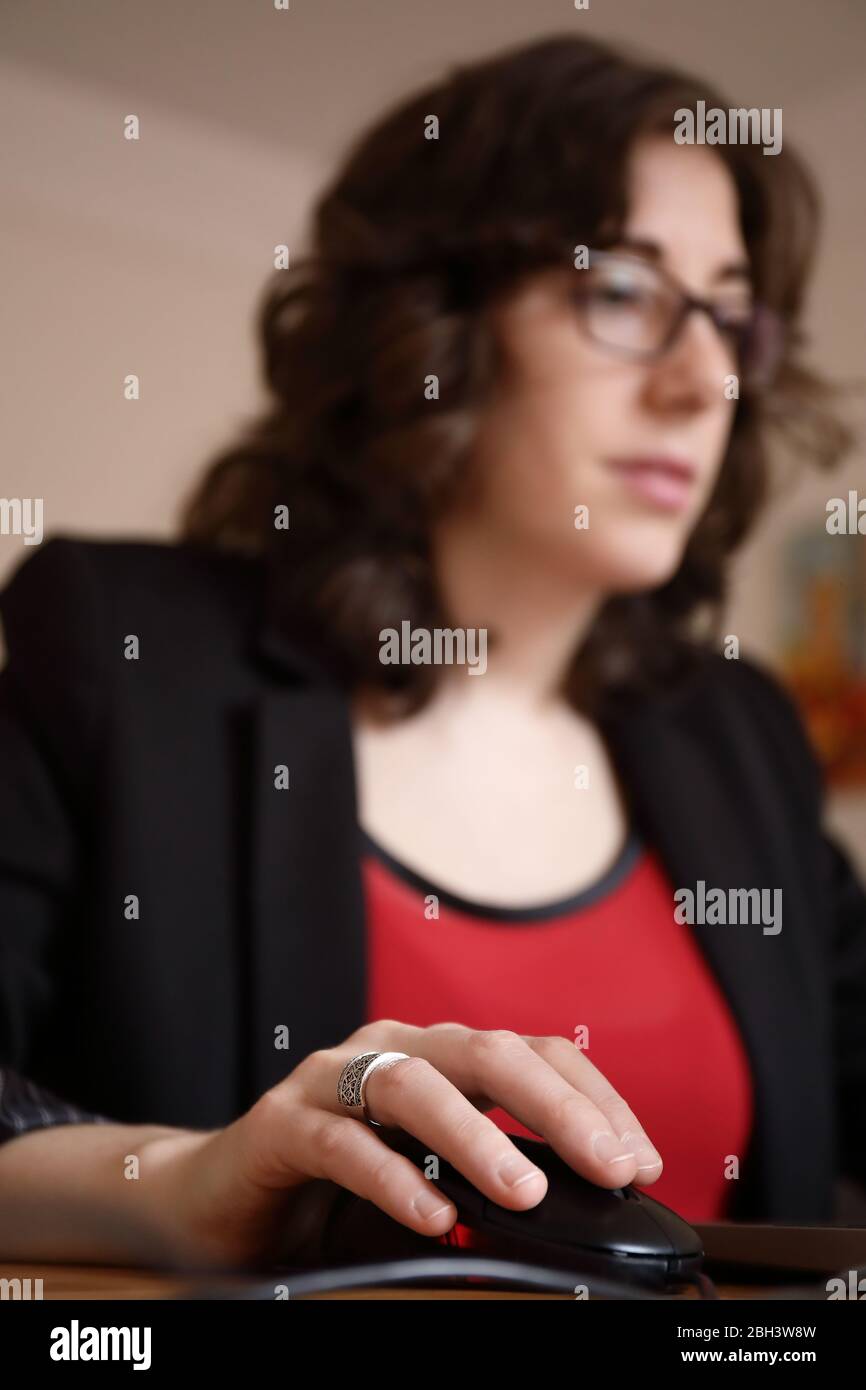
{"type": "Point", "coordinates": [664, 481]}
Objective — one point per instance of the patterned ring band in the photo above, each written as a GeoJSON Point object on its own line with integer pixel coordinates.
{"type": "Point", "coordinates": [353, 1079]}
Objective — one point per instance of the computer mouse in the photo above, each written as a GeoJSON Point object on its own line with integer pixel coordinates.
{"type": "Point", "coordinates": [619, 1233]}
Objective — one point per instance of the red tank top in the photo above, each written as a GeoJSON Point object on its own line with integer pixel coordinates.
{"type": "Point", "coordinates": [608, 968]}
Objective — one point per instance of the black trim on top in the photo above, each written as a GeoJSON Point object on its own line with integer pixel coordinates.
{"type": "Point", "coordinates": [584, 897]}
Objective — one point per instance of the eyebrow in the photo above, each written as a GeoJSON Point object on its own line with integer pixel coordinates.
{"type": "Point", "coordinates": [650, 250]}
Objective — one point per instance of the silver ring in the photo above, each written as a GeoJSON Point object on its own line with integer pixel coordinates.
{"type": "Point", "coordinates": [352, 1084]}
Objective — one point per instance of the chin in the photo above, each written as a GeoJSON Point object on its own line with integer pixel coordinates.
{"type": "Point", "coordinates": [643, 563]}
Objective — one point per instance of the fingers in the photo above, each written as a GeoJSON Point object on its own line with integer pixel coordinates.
{"type": "Point", "coordinates": [579, 1071]}
{"type": "Point", "coordinates": [615, 1118]}
{"type": "Point", "coordinates": [546, 1083]}
{"type": "Point", "coordinates": [291, 1138]}
{"type": "Point", "coordinates": [416, 1097]}
{"type": "Point", "coordinates": [412, 1095]}
{"type": "Point", "coordinates": [349, 1152]}
{"type": "Point", "coordinates": [560, 1096]}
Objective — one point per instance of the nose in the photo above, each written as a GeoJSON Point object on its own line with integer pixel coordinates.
{"type": "Point", "coordinates": [691, 376]}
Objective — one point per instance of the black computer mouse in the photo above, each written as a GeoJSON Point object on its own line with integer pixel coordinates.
{"type": "Point", "coordinates": [619, 1233]}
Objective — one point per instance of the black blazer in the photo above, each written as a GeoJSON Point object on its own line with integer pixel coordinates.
{"type": "Point", "coordinates": [155, 777]}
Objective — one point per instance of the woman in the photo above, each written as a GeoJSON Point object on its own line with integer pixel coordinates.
{"type": "Point", "coordinates": [521, 393]}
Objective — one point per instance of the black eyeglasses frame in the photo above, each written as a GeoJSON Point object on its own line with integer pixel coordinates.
{"type": "Point", "coordinates": [762, 318]}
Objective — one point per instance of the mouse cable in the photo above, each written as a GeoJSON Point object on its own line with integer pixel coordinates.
{"type": "Point", "coordinates": [456, 1270]}
{"type": "Point", "coordinates": [445, 1270]}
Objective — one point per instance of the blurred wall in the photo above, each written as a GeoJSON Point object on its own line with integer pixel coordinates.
{"type": "Point", "coordinates": [148, 256]}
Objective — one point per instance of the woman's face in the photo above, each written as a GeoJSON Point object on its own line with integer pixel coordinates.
{"type": "Point", "coordinates": [576, 425]}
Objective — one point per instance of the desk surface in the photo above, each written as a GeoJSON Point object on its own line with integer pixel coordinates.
{"type": "Point", "coordinates": [104, 1282]}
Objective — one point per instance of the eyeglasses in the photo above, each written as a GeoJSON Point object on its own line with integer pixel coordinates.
{"type": "Point", "coordinates": [638, 310]}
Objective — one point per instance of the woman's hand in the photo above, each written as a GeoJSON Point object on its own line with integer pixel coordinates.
{"type": "Point", "coordinates": [245, 1186]}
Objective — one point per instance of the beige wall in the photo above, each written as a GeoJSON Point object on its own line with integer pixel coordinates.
{"type": "Point", "coordinates": [147, 257]}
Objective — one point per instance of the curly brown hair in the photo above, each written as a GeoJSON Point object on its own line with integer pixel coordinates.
{"type": "Point", "coordinates": [412, 242]}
